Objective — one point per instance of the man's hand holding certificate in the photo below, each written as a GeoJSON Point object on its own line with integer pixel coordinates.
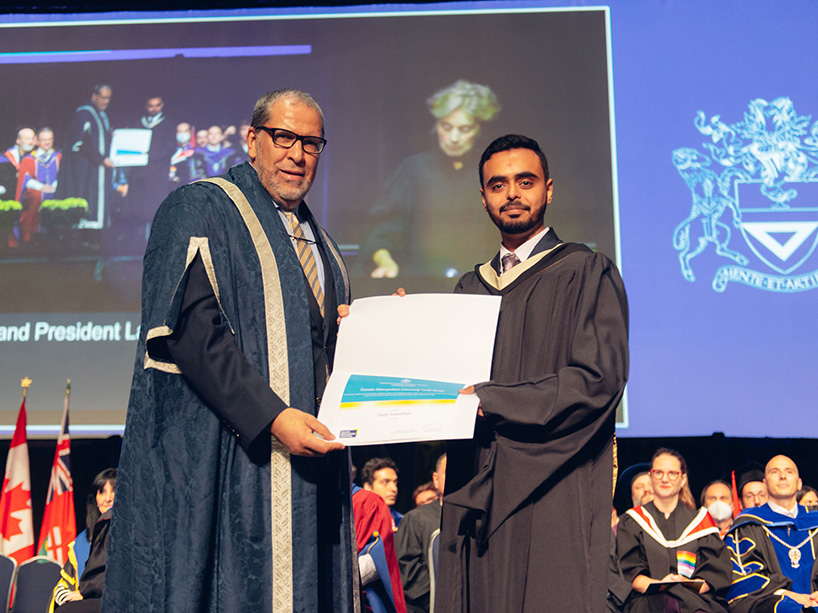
{"type": "Point", "coordinates": [400, 363]}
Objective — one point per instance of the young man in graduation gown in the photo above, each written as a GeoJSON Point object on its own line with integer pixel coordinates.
{"type": "Point", "coordinates": [238, 334]}
{"type": "Point", "coordinates": [774, 549]}
{"type": "Point", "coordinates": [148, 185]}
{"type": "Point", "coordinates": [412, 542]}
{"type": "Point", "coordinates": [526, 519]}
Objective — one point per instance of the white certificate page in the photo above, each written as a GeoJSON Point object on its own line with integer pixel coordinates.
{"type": "Point", "coordinates": [130, 147]}
{"type": "Point", "coordinates": [400, 363]}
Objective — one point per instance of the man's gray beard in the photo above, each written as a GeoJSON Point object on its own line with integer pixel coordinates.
{"type": "Point", "coordinates": [279, 189]}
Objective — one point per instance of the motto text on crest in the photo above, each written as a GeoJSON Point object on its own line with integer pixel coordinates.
{"type": "Point", "coordinates": [758, 176]}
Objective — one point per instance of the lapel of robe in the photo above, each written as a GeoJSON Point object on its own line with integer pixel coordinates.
{"type": "Point", "coordinates": [324, 331]}
{"type": "Point", "coordinates": [549, 241]}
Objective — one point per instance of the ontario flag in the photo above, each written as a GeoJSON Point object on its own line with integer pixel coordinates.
{"type": "Point", "coordinates": [16, 521]}
{"type": "Point", "coordinates": [59, 521]}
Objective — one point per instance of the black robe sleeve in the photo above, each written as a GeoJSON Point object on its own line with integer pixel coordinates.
{"type": "Point", "coordinates": [632, 559]}
{"type": "Point", "coordinates": [411, 543]}
{"type": "Point", "coordinates": [581, 391]}
{"type": "Point", "coordinates": [210, 360]}
{"type": "Point", "coordinates": [618, 588]}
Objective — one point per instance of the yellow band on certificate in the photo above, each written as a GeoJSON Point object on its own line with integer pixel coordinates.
{"type": "Point", "coordinates": [393, 403]}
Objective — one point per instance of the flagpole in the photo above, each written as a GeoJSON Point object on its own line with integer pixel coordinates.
{"type": "Point", "coordinates": [16, 521]}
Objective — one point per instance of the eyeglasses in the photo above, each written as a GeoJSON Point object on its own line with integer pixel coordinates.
{"type": "Point", "coordinates": [671, 474]}
{"type": "Point", "coordinates": [286, 139]}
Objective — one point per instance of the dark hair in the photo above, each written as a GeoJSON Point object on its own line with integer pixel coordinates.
{"type": "Point", "coordinates": [686, 496]}
{"type": "Point", "coordinates": [714, 483]}
{"type": "Point", "coordinates": [91, 509]}
{"type": "Point", "coordinates": [373, 466]}
{"type": "Point", "coordinates": [423, 487]}
{"type": "Point", "coordinates": [508, 142]}
{"type": "Point", "coordinates": [802, 492]}
{"type": "Point", "coordinates": [100, 86]}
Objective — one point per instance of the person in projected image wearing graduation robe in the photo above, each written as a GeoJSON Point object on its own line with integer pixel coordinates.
{"type": "Point", "coordinates": [86, 170]}
{"type": "Point", "coordinates": [526, 516]}
{"type": "Point", "coordinates": [148, 185]}
{"type": "Point", "coordinates": [238, 335]}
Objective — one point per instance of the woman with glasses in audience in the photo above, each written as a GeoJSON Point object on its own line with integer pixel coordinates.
{"type": "Point", "coordinates": [671, 553]}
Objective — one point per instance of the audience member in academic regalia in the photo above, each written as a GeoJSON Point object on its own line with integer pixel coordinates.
{"type": "Point", "coordinates": [717, 498]}
{"type": "Point", "coordinates": [666, 540]}
{"type": "Point", "coordinates": [88, 552]}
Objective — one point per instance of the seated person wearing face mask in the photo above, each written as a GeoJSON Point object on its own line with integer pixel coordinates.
{"type": "Point", "coordinates": [718, 498]}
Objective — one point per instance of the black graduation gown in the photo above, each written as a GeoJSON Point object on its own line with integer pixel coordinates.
{"type": "Point", "coordinates": [149, 185]}
{"type": "Point", "coordinates": [526, 519]}
{"type": "Point", "coordinates": [412, 547]}
{"type": "Point", "coordinates": [420, 204]}
{"type": "Point", "coordinates": [641, 554]}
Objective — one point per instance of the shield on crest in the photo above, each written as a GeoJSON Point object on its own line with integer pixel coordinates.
{"type": "Point", "coordinates": [784, 237]}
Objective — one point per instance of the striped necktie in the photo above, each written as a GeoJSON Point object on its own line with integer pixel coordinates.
{"type": "Point", "coordinates": [510, 260]}
{"type": "Point", "coordinates": [305, 256]}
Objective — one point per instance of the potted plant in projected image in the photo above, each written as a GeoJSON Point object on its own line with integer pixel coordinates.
{"type": "Point", "coordinates": [9, 213]}
{"type": "Point", "coordinates": [60, 217]}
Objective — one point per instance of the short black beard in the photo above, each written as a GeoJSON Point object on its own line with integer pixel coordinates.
{"type": "Point", "coordinates": [518, 226]}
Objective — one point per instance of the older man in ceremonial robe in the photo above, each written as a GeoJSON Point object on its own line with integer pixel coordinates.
{"type": "Point", "coordinates": [526, 516]}
{"type": "Point", "coordinates": [238, 334]}
{"type": "Point", "coordinates": [37, 181]}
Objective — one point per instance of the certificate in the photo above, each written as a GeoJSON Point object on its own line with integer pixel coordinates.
{"type": "Point", "coordinates": [129, 147]}
{"type": "Point", "coordinates": [400, 363]}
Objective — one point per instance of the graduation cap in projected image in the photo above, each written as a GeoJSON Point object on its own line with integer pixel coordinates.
{"type": "Point", "coordinates": [622, 495]}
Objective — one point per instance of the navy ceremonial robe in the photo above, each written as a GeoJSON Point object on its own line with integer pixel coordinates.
{"type": "Point", "coordinates": [206, 517]}
{"type": "Point", "coordinates": [762, 565]}
{"type": "Point", "coordinates": [82, 174]}
{"type": "Point", "coordinates": [526, 516]}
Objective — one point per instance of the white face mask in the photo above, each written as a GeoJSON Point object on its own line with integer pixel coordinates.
{"type": "Point", "coordinates": [720, 510]}
{"type": "Point", "coordinates": [183, 137]}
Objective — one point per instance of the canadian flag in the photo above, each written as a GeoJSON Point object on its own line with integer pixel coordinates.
{"type": "Point", "coordinates": [59, 521]}
{"type": "Point", "coordinates": [16, 519]}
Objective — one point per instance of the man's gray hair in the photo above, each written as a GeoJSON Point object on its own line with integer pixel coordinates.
{"type": "Point", "coordinates": [261, 114]}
